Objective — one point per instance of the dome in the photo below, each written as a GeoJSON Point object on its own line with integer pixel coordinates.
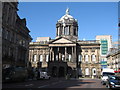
{"type": "Point", "coordinates": [67, 27]}
{"type": "Point", "coordinates": [67, 16]}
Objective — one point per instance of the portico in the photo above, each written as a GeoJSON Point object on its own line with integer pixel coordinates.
{"type": "Point", "coordinates": [65, 52]}
{"type": "Point", "coordinates": [62, 52]}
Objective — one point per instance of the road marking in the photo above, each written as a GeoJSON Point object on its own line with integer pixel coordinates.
{"type": "Point", "coordinates": [43, 86]}
{"type": "Point", "coordinates": [29, 85]}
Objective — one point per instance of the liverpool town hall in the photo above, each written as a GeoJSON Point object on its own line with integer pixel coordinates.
{"type": "Point", "coordinates": [66, 55]}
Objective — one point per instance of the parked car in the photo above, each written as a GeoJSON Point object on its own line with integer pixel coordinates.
{"type": "Point", "coordinates": [14, 74]}
{"type": "Point", "coordinates": [105, 73]}
{"type": "Point", "coordinates": [113, 81]}
{"type": "Point", "coordinates": [43, 75]}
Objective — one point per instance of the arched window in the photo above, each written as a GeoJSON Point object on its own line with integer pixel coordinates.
{"type": "Point", "coordinates": [67, 30]}
{"type": "Point", "coordinates": [41, 58]}
{"type": "Point", "coordinates": [74, 31]}
{"type": "Point", "coordinates": [86, 58]}
{"type": "Point", "coordinates": [69, 57]}
{"type": "Point", "coordinates": [34, 57]}
{"type": "Point", "coordinates": [80, 58]}
{"type": "Point", "coordinates": [47, 56]}
{"type": "Point", "coordinates": [63, 31]}
{"type": "Point", "coordinates": [63, 57]}
{"type": "Point", "coordinates": [87, 71]}
{"type": "Point", "coordinates": [94, 71]}
{"type": "Point", "coordinates": [93, 57]}
{"type": "Point", "coordinates": [57, 57]}
{"type": "Point", "coordinates": [58, 31]}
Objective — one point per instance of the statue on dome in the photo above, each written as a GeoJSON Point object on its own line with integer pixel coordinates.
{"type": "Point", "coordinates": [67, 11]}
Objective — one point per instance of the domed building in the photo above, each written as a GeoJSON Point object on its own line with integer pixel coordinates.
{"type": "Point", "coordinates": [66, 55]}
{"type": "Point", "coordinates": [67, 27]}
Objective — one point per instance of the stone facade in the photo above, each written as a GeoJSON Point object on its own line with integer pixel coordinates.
{"type": "Point", "coordinates": [66, 55]}
{"type": "Point", "coordinates": [38, 54]}
{"type": "Point", "coordinates": [90, 58]}
{"type": "Point", "coordinates": [15, 37]}
{"type": "Point", "coordinates": [113, 59]}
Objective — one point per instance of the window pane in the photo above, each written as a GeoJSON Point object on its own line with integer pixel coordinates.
{"type": "Point", "coordinates": [86, 57]}
{"type": "Point", "coordinates": [41, 58]}
{"type": "Point", "coordinates": [94, 71]}
{"type": "Point", "coordinates": [63, 57]}
{"type": "Point", "coordinates": [80, 58]}
{"type": "Point", "coordinates": [87, 71]}
{"type": "Point", "coordinates": [46, 58]}
{"type": "Point", "coordinates": [69, 57]}
{"type": "Point", "coordinates": [93, 58]}
{"type": "Point", "coordinates": [56, 57]}
{"type": "Point", "coordinates": [35, 58]}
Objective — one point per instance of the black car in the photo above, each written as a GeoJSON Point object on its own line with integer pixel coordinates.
{"type": "Point", "coordinates": [14, 74]}
{"type": "Point", "coordinates": [113, 82]}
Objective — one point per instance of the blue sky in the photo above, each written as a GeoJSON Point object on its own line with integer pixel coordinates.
{"type": "Point", "coordinates": [94, 18]}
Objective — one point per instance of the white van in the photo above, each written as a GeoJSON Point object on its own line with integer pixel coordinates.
{"type": "Point", "coordinates": [105, 73]}
{"type": "Point", "coordinates": [44, 75]}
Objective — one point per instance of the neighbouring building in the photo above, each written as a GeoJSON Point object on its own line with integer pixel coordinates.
{"type": "Point", "coordinates": [106, 44]}
{"type": "Point", "coordinates": [113, 59]}
{"type": "Point", "coordinates": [15, 37]}
{"type": "Point", "coordinates": [66, 55]}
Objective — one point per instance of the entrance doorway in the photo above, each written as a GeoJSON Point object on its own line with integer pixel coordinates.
{"type": "Point", "coordinates": [61, 72]}
{"type": "Point", "coordinates": [54, 71]}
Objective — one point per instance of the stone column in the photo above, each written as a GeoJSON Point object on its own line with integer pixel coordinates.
{"type": "Point", "coordinates": [58, 54]}
{"type": "Point", "coordinates": [50, 55]}
{"type": "Point", "coordinates": [63, 31]}
{"type": "Point", "coordinates": [32, 55]}
{"type": "Point", "coordinates": [72, 30]}
{"type": "Point", "coordinates": [68, 30]}
{"type": "Point", "coordinates": [56, 31]}
{"type": "Point", "coordinates": [37, 56]}
{"type": "Point", "coordinates": [54, 55]}
{"type": "Point", "coordinates": [65, 53]}
{"type": "Point", "coordinates": [72, 54]}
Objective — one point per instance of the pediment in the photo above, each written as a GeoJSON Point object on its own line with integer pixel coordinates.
{"type": "Point", "coordinates": [62, 40]}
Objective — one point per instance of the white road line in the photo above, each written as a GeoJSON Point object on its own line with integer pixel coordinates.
{"type": "Point", "coordinates": [43, 86]}
{"type": "Point", "coordinates": [29, 85]}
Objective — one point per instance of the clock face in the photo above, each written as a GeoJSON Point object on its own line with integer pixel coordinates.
{"type": "Point", "coordinates": [66, 17]}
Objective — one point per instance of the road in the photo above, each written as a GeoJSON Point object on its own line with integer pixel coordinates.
{"type": "Point", "coordinates": [57, 83]}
